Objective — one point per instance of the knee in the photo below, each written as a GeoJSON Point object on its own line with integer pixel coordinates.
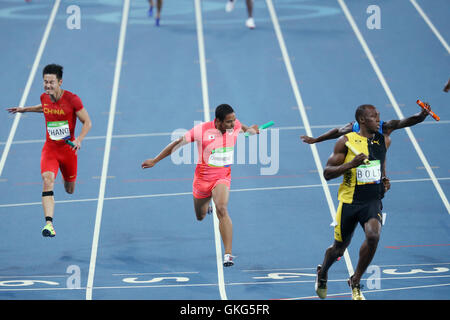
{"type": "Point", "coordinates": [372, 238]}
{"type": "Point", "coordinates": [48, 181]}
{"type": "Point", "coordinates": [200, 216]}
{"type": "Point", "coordinates": [69, 187]}
{"type": "Point", "coordinates": [221, 211]}
{"type": "Point", "coordinates": [338, 250]}
{"type": "Point", "coordinates": [70, 190]}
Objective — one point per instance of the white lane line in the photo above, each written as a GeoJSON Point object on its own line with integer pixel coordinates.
{"type": "Point", "coordinates": [205, 95]}
{"type": "Point", "coordinates": [158, 195]}
{"type": "Point", "coordinates": [26, 91]}
{"type": "Point", "coordinates": [394, 103]}
{"type": "Point", "coordinates": [305, 120]}
{"type": "Point", "coordinates": [112, 112]}
{"type": "Point", "coordinates": [431, 25]}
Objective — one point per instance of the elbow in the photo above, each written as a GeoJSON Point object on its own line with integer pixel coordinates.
{"type": "Point", "coordinates": [326, 175]}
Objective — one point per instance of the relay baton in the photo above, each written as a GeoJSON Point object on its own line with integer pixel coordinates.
{"type": "Point", "coordinates": [366, 161]}
{"type": "Point", "coordinates": [427, 108]}
{"type": "Point", "coordinates": [264, 126]}
{"type": "Point", "coordinates": [70, 143]}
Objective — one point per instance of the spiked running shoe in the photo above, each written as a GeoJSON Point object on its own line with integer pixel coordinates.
{"type": "Point", "coordinates": [356, 289]}
{"type": "Point", "coordinates": [228, 260]}
{"type": "Point", "coordinates": [320, 285]}
{"type": "Point", "coordinates": [48, 230]}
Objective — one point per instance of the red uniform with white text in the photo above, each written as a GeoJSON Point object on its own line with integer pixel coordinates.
{"type": "Point", "coordinates": [60, 121]}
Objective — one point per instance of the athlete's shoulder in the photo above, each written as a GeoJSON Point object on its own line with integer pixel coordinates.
{"type": "Point", "coordinates": [44, 97]}
{"type": "Point", "coordinates": [73, 99]}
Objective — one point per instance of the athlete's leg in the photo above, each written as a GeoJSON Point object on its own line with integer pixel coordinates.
{"type": "Point", "coordinates": [69, 186]}
{"type": "Point", "coordinates": [372, 229]}
{"type": "Point", "coordinates": [331, 254]}
{"type": "Point", "coordinates": [48, 201]}
{"type": "Point", "coordinates": [220, 195]}
{"type": "Point", "coordinates": [159, 4]}
{"type": "Point", "coordinates": [249, 8]}
{"type": "Point", "coordinates": [201, 207]}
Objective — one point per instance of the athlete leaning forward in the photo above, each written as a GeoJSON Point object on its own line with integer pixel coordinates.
{"type": "Point", "coordinates": [215, 141]}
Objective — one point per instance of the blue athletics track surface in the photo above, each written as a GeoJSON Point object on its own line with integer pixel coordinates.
{"type": "Point", "coordinates": [128, 233]}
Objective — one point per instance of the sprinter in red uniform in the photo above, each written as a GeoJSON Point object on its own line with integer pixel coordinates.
{"type": "Point", "coordinates": [61, 109]}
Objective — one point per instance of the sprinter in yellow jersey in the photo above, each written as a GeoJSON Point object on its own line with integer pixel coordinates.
{"type": "Point", "coordinates": [359, 195]}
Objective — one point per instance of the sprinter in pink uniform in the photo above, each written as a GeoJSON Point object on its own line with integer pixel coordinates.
{"type": "Point", "coordinates": [215, 141]}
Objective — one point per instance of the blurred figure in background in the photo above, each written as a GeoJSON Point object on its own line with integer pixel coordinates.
{"type": "Point", "coordinates": [159, 4]}
{"type": "Point", "coordinates": [250, 23]}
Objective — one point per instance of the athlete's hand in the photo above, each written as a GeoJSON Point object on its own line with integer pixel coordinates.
{"type": "Point", "coordinates": [447, 86]}
{"type": "Point", "coordinates": [254, 129]}
{"type": "Point", "coordinates": [15, 110]}
{"type": "Point", "coordinates": [387, 183]}
{"type": "Point", "coordinates": [149, 163]}
{"type": "Point", "coordinates": [77, 146]}
{"type": "Point", "coordinates": [308, 140]}
{"type": "Point", "coordinates": [358, 160]}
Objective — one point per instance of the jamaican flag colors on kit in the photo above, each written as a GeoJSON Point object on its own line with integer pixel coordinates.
{"type": "Point", "coordinates": [364, 182]}
{"type": "Point", "coordinates": [361, 190]}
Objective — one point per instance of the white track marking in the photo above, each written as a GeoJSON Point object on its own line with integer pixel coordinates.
{"type": "Point", "coordinates": [304, 117]}
{"type": "Point", "coordinates": [431, 25]}
{"type": "Point", "coordinates": [205, 95]}
{"type": "Point", "coordinates": [394, 103]}
{"type": "Point", "coordinates": [101, 196]}
{"type": "Point", "coordinates": [26, 91]}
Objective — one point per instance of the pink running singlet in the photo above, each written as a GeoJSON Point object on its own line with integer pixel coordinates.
{"type": "Point", "coordinates": [215, 155]}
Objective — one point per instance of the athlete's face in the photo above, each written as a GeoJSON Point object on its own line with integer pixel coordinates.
{"type": "Point", "coordinates": [52, 85]}
{"type": "Point", "coordinates": [227, 123]}
{"type": "Point", "coordinates": [372, 120]}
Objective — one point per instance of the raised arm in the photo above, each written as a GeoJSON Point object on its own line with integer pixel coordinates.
{"type": "Point", "coordinates": [390, 126]}
{"type": "Point", "coordinates": [335, 165]}
{"type": "Point", "coordinates": [36, 108]}
{"type": "Point", "coordinates": [332, 134]}
{"type": "Point", "coordinates": [167, 151]}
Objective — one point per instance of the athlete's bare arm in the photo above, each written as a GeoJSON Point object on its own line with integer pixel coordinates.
{"type": "Point", "coordinates": [167, 151]}
{"type": "Point", "coordinates": [390, 126]}
{"type": "Point", "coordinates": [335, 165]}
{"type": "Point", "coordinates": [84, 118]}
{"type": "Point", "coordinates": [332, 134]}
{"type": "Point", "coordinates": [36, 108]}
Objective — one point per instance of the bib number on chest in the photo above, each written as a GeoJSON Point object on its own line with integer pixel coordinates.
{"type": "Point", "coordinates": [221, 157]}
{"type": "Point", "coordinates": [369, 173]}
{"type": "Point", "coordinates": [58, 130]}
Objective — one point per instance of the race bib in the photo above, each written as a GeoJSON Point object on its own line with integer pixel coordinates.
{"type": "Point", "coordinates": [369, 173]}
{"type": "Point", "coordinates": [221, 157]}
{"type": "Point", "coordinates": [58, 130]}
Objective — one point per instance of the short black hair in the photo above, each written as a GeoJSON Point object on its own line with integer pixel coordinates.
{"type": "Point", "coordinates": [361, 110]}
{"type": "Point", "coordinates": [222, 111]}
{"type": "Point", "coordinates": [55, 69]}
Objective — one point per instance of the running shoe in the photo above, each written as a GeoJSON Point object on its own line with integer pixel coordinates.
{"type": "Point", "coordinates": [157, 22]}
{"type": "Point", "coordinates": [48, 230]}
{"type": "Point", "coordinates": [150, 12]}
{"type": "Point", "coordinates": [356, 289]}
{"type": "Point", "coordinates": [250, 23]}
{"type": "Point", "coordinates": [228, 260]}
{"type": "Point", "coordinates": [321, 285]}
{"type": "Point", "coordinates": [230, 5]}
